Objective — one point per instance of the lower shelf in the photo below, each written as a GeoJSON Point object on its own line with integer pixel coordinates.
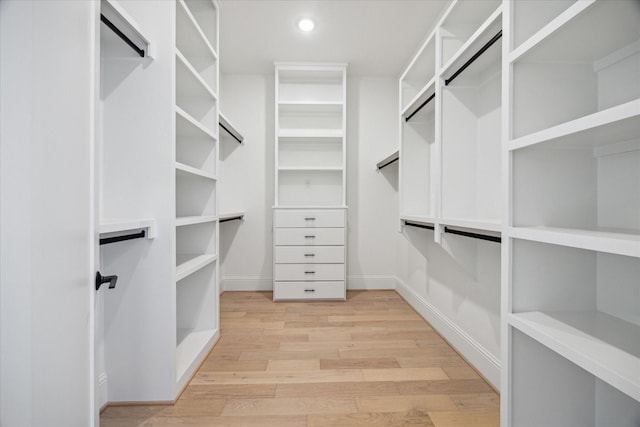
{"type": "Point", "coordinates": [188, 264]}
{"type": "Point", "coordinates": [190, 345]}
{"type": "Point", "coordinates": [603, 345]}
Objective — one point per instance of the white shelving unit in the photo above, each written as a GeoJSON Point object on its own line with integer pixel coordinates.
{"type": "Point", "coordinates": [196, 159]}
{"type": "Point", "coordinates": [310, 179]}
{"type": "Point", "coordinates": [571, 261]}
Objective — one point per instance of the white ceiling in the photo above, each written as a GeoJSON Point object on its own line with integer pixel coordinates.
{"type": "Point", "coordinates": [375, 37]}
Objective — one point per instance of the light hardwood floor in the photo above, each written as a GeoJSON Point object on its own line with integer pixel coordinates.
{"type": "Point", "coordinates": [369, 361]}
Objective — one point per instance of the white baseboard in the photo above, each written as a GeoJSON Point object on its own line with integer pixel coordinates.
{"type": "Point", "coordinates": [103, 398]}
{"type": "Point", "coordinates": [485, 362]}
{"type": "Point", "coordinates": [246, 284]}
{"type": "Point", "coordinates": [371, 282]}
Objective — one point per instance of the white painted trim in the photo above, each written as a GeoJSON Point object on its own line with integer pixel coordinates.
{"type": "Point", "coordinates": [238, 283]}
{"type": "Point", "coordinates": [102, 389]}
{"type": "Point", "coordinates": [469, 348]}
{"type": "Point", "coordinates": [371, 282]}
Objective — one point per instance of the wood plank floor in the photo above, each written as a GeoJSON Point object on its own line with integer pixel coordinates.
{"type": "Point", "coordinates": [369, 361]}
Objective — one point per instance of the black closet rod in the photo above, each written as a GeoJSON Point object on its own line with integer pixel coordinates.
{"type": "Point", "coordinates": [474, 57]}
{"type": "Point", "coordinates": [122, 238]}
{"type": "Point", "coordinates": [420, 107]}
{"type": "Point", "coordinates": [389, 162]}
{"type": "Point", "coordinates": [233, 218]}
{"type": "Point", "coordinates": [230, 133]}
{"type": "Point", "coordinates": [413, 224]}
{"type": "Point", "coordinates": [473, 235]}
{"type": "Point", "coordinates": [120, 34]}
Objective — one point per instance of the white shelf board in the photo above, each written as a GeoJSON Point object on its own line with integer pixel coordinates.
{"type": "Point", "coordinates": [191, 220]}
{"type": "Point", "coordinates": [187, 126]}
{"type": "Point", "coordinates": [310, 169]}
{"type": "Point", "coordinates": [487, 30]}
{"type": "Point", "coordinates": [190, 345]}
{"type": "Point", "coordinates": [336, 105]}
{"type": "Point", "coordinates": [181, 168]}
{"type": "Point", "coordinates": [226, 125]}
{"type": "Point", "coordinates": [388, 160]}
{"type": "Point", "coordinates": [187, 264]}
{"type": "Point", "coordinates": [194, 37]}
{"type": "Point", "coordinates": [424, 94]}
{"type": "Point", "coordinates": [605, 346]}
{"type": "Point", "coordinates": [616, 124]}
{"type": "Point", "coordinates": [420, 219]}
{"type": "Point", "coordinates": [108, 226]}
{"type": "Point", "coordinates": [226, 216]}
{"type": "Point", "coordinates": [189, 81]}
{"type": "Point", "coordinates": [116, 14]}
{"type": "Point", "coordinates": [620, 242]}
{"type": "Point", "coordinates": [415, 62]}
{"type": "Point", "coordinates": [493, 226]}
{"type": "Point", "coordinates": [310, 207]}
{"type": "Point", "coordinates": [310, 133]}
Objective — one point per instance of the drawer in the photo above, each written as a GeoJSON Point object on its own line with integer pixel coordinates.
{"type": "Point", "coordinates": [311, 290]}
{"type": "Point", "coordinates": [308, 272]}
{"type": "Point", "coordinates": [309, 218]}
{"type": "Point", "coordinates": [308, 237]}
{"type": "Point", "coordinates": [309, 254]}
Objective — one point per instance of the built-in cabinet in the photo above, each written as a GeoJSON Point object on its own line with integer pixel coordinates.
{"type": "Point", "coordinates": [571, 261]}
{"type": "Point", "coordinates": [159, 168]}
{"type": "Point", "coordinates": [310, 182]}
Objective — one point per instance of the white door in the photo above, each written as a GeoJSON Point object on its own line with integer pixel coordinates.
{"type": "Point", "coordinates": [47, 205]}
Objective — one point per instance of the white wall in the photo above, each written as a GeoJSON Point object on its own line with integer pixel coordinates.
{"type": "Point", "coordinates": [246, 182]}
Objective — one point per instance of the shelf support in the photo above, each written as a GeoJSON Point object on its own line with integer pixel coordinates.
{"type": "Point", "coordinates": [482, 50]}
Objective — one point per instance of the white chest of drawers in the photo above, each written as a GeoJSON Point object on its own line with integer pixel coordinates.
{"type": "Point", "coordinates": [309, 254]}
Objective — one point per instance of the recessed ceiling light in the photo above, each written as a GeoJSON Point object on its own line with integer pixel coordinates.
{"type": "Point", "coordinates": [306, 25]}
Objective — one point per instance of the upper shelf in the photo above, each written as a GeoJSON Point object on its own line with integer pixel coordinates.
{"type": "Point", "coordinates": [125, 27]}
{"type": "Point", "coordinates": [392, 158]}
{"type": "Point", "coordinates": [109, 226]}
{"type": "Point", "coordinates": [226, 125]}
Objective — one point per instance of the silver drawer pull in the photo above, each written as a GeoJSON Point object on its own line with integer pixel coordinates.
{"type": "Point", "coordinates": [310, 219]}
{"type": "Point", "coordinates": [309, 237]}
{"type": "Point", "coordinates": [309, 290]}
{"type": "Point", "coordinates": [309, 272]}
{"type": "Point", "coordinates": [309, 254]}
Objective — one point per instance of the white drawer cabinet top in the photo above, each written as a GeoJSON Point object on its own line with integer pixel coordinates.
{"type": "Point", "coordinates": [309, 218]}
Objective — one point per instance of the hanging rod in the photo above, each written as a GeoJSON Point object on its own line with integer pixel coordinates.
{"type": "Point", "coordinates": [406, 119]}
{"type": "Point", "coordinates": [474, 57]}
{"type": "Point", "coordinates": [120, 34]}
{"type": "Point", "coordinates": [232, 218]}
{"type": "Point", "coordinates": [107, 240]}
{"type": "Point", "coordinates": [394, 157]}
{"type": "Point", "coordinates": [414, 224]}
{"type": "Point", "coordinates": [230, 133]}
{"type": "Point", "coordinates": [388, 163]}
{"type": "Point", "coordinates": [474, 235]}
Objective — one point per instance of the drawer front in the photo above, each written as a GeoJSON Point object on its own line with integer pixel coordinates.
{"type": "Point", "coordinates": [309, 219]}
{"type": "Point", "coordinates": [309, 254]}
{"type": "Point", "coordinates": [308, 237]}
{"type": "Point", "coordinates": [308, 272]}
{"type": "Point", "coordinates": [312, 290]}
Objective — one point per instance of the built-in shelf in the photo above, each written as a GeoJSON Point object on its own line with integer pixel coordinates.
{"type": "Point", "coordinates": [603, 345]}
{"type": "Point", "coordinates": [615, 124]}
{"type": "Point", "coordinates": [424, 97]}
{"type": "Point", "coordinates": [125, 27]}
{"type": "Point", "coordinates": [190, 343]}
{"type": "Point", "coordinates": [191, 34]}
{"type": "Point", "coordinates": [620, 242]}
{"type": "Point", "coordinates": [419, 219]}
{"type": "Point", "coordinates": [187, 126]}
{"type": "Point", "coordinates": [226, 125]}
{"type": "Point", "coordinates": [188, 264]}
{"type": "Point", "coordinates": [189, 81]}
{"type": "Point", "coordinates": [231, 216]}
{"type": "Point", "coordinates": [182, 169]}
{"type": "Point", "coordinates": [310, 133]}
{"type": "Point", "coordinates": [495, 227]}
{"type": "Point", "coordinates": [310, 168]}
{"type": "Point", "coordinates": [191, 220]}
{"type": "Point", "coordinates": [110, 226]}
{"type": "Point", "coordinates": [392, 158]}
